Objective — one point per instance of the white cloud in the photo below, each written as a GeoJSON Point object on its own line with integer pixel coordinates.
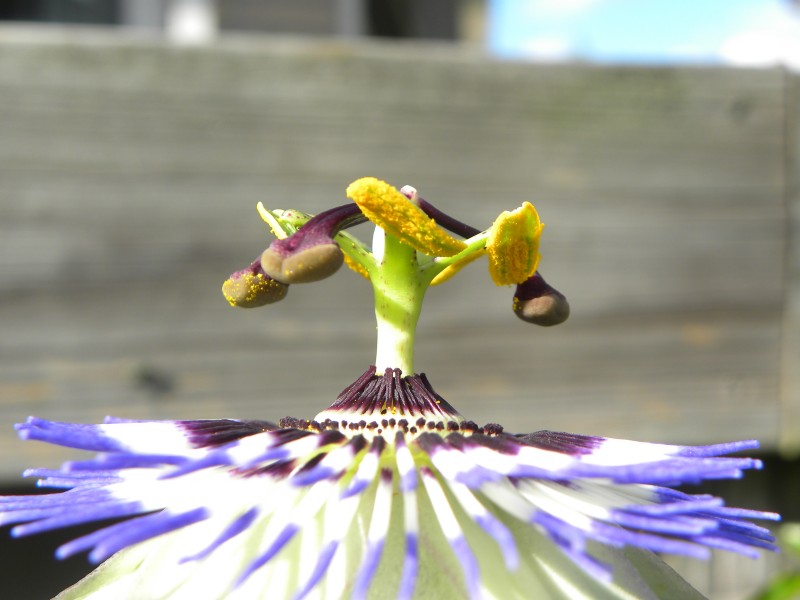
{"type": "Point", "coordinates": [761, 49]}
{"type": "Point", "coordinates": [771, 38]}
{"type": "Point", "coordinates": [548, 48]}
{"type": "Point", "coordinates": [689, 50]}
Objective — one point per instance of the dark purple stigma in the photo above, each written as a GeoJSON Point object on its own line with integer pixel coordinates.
{"type": "Point", "coordinates": [311, 254]}
{"type": "Point", "coordinates": [537, 302]}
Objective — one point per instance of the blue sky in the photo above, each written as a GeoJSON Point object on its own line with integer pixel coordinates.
{"type": "Point", "coordinates": [740, 32]}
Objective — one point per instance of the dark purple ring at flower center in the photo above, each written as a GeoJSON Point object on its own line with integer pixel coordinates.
{"type": "Point", "coordinates": [392, 394]}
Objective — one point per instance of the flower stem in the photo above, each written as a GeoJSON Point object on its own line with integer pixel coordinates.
{"type": "Point", "coordinates": [399, 289]}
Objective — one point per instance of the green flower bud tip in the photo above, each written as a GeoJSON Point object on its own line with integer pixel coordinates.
{"type": "Point", "coordinates": [310, 254]}
{"type": "Point", "coordinates": [251, 287]}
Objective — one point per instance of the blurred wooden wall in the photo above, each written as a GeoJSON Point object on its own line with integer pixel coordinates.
{"type": "Point", "coordinates": [130, 170]}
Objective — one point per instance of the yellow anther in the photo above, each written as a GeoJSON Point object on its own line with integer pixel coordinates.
{"type": "Point", "coordinates": [513, 245]}
{"type": "Point", "coordinates": [354, 266]}
{"type": "Point", "coordinates": [394, 213]}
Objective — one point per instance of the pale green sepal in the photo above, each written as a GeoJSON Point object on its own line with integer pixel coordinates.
{"type": "Point", "coordinates": [111, 580]}
{"type": "Point", "coordinates": [660, 577]}
{"type": "Point", "coordinates": [546, 572]}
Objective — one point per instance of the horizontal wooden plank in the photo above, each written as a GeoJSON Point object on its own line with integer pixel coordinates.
{"type": "Point", "coordinates": [129, 171]}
